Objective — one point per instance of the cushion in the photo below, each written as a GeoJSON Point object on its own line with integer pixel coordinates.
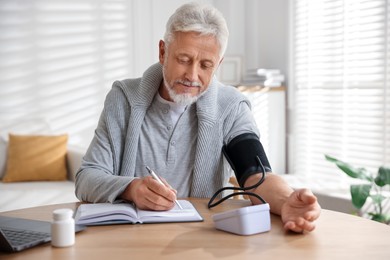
{"type": "Point", "coordinates": [3, 156]}
{"type": "Point", "coordinates": [36, 158]}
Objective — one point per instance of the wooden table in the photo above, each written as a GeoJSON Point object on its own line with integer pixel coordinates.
{"type": "Point", "coordinates": [337, 236]}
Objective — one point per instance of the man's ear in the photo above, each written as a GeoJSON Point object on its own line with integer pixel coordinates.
{"type": "Point", "coordinates": [221, 61]}
{"type": "Point", "coordinates": [219, 64]}
{"type": "Point", "coordinates": [161, 51]}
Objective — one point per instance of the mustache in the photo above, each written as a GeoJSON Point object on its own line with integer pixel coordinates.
{"type": "Point", "coordinates": [189, 83]}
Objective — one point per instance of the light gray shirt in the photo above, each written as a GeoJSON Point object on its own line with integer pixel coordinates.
{"type": "Point", "coordinates": [168, 140]}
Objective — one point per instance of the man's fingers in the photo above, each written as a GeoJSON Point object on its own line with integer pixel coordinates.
{"type": "Point", "coordinates": [311, 215]}
{"type": "Point", "coordinates": [291, 226]}
{"type": "Point", "coordinates": [307, 196]}
{"type": "Point", "coordinates": [309, 226]}
{"type": "Point", "coordinates": [162, 190]}
{"type": "Point", "coordinates": [153, 201]}
{"type": "Point", "coordinates": [299, 227]}
{"type": "Point", "coordinates": [159, 203]}
{"type": "Point", "coordinates": [166, 183]}
{"type": "Point", "coordinates": [160, 196]}
{"type": "Point", "coordinates": [169, 186]}
{"type": "Point", "coordinates": [149, 194]}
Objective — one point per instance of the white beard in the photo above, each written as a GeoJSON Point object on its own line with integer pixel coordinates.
{"type": "Point", "coordinates": [184, 99]}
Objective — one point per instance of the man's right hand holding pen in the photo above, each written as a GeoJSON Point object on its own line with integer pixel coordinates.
{"type": "Point", "coordinates": [148, 194]}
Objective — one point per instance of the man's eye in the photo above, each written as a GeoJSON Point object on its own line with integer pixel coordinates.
{"type": "Point", "coordinates": [207, 66]}
{"type": "Point", "coordinates": [183, 60]}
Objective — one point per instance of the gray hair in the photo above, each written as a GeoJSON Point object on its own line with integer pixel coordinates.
{"type": "Point", "coordinates": [201, 18]}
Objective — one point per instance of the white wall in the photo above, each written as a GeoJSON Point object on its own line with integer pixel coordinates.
{"type": "Point", "coordinates": [149, 18]}
{"type": "Point", "coordinates": [258, 31]}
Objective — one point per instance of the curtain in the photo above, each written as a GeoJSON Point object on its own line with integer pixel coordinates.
{"type": "Point", "coordinates": [59, 58]}
{"type": "Point", "coordinates": [340, 81]}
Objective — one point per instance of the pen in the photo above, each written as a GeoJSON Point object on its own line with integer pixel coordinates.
{"type": "Point", "coordinates": [155, 176]}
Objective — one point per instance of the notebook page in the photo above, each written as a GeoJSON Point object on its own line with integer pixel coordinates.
{"type": "Point", "coordinates": [175, 213]}
{"type": "Point", "coordinates": [87, 212]}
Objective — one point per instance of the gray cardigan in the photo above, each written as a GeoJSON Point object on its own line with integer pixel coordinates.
{"type": "Point", "coordinates": [109, 164]}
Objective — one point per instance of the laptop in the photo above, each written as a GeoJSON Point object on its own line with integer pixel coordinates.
{"type": "Point", "coordinates": [17, 234]}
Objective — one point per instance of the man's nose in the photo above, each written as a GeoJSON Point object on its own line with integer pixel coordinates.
{"type": "Point", "coordinates": [192, 73]}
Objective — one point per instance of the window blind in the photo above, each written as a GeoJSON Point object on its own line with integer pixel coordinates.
{"type": "Point", "coordinates": [59, 58]}
{"type": "Point", "coordinates": [341, 101]}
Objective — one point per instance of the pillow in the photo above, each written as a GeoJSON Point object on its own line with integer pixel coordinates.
{"type": "Point", "coordinates": [36, 158]}
{"type": "Point", "coordinates": [3, 156]}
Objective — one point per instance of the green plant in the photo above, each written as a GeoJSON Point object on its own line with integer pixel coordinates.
{"type": "Point", "coordinates": [371, 187]}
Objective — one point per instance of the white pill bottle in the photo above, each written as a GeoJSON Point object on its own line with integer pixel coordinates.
{"type": "Point", "coordinates": [62, 228]}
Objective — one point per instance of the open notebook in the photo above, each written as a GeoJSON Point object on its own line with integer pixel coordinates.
{"type": "Point", "coordinates": [107, 213]}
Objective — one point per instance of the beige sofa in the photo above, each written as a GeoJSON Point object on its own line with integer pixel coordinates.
{"type": "Point", "coordinates": [17, 195]}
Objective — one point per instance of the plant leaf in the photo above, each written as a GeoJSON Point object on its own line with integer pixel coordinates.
{"type": "Point", "coordinates": [359, 194]}
{"type": "Point", "coordinates": [387, 217]}
{"type": "Point", "coordinates": [383, 177]}
{"type": "Point", "coordinates": [377, 198]}
{"type": "Point", "coordinates": [357, 173]}
{"type": "Point", "coordinates": [383, 218]}
{"type": "Point", "coordinates": [330, 158]}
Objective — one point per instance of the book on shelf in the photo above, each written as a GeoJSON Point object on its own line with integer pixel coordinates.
{"type": "Point", "coordinates": [252, 80]}
{"type": "Point", "coordinates": [263, 72]}
{"type": "Point", "coordinates": [122, 213]}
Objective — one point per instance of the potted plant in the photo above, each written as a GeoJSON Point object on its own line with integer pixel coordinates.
{"type": "Point", "coordinates": [371, 187]}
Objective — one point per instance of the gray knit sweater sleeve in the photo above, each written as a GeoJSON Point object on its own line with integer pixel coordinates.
{"type": "Point", "coordinates": [98, 179]}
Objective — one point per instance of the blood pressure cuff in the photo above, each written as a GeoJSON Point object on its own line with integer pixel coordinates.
{"type": "Point", "coordinates": [246, 156]}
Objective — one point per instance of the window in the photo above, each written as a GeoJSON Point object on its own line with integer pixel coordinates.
{"type": "Point", "coordinates": [341, 103]}
{"type": "Point", "coordinates": [59, 58]}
